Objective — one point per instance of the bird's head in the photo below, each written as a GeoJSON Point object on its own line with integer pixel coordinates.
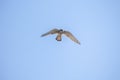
{"type": "Point", "coordinates": [61, 30]}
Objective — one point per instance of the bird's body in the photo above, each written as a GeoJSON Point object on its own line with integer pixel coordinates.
{"type": "Point", "coordinates": [59, 33]}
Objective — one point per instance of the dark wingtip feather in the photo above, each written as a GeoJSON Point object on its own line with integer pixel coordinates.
{"type": "Point", "coordinates": [42, 36]}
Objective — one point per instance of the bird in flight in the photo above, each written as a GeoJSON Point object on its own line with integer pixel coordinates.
{"type": "Point", "coordinates": [59, 33]}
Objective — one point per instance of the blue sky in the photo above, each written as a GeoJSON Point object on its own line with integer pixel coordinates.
{"type": "Point", "coordinates": [24, 55]}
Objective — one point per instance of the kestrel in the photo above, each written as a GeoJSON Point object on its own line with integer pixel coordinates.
{"type": "Point", "coordinates": [59, 33]}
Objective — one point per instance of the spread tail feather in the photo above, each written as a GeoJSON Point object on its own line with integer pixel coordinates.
{"type": "Point", "coordinates": [58, 38]}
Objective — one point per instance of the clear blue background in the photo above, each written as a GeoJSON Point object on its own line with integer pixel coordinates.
{"type": "Point", "coordinates": [24, 55]}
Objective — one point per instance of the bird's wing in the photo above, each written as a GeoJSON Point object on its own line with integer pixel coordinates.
{"type": "Point", "coordinates": [68, 34]}
{"type": "Point", "coordinates": [53, 31]}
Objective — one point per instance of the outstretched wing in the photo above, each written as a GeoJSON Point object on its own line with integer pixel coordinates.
{"type": "Point", "coordinates": [53, 31]}
{"type": "Point", "coordinates": [68, 34]}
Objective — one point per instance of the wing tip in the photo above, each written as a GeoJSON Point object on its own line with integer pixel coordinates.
{"type": "Point", "coordinates": [79, 43]}
{"type": "Point", "coordinates": [42, 35]}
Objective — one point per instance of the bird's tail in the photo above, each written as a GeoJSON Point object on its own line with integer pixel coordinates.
{"type": "Point", "coordinates": [58, 38]}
